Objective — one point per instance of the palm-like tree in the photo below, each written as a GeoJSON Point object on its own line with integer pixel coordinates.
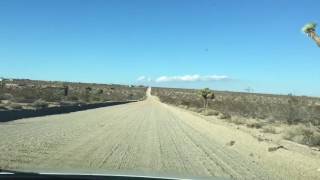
{"type": "Point", "coordinates": [310, 30]}
{"type": "Point", "coordinates": [207, 95]}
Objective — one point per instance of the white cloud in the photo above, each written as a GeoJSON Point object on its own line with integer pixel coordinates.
{"type": "Point", "coordinates": [191, 78]}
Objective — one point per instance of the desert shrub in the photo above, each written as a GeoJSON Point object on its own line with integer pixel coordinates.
{"type": "Point", "coordinates": [73, 98]}
{"type": "Point", "coordinates": [182, 106]}
{"type": "Point", "coordinates": [6, 96]}
{"type": "Point", "coordinates": [68, 103]}
{"type": "Point", "coordinates": [88, 89]}
{"type": "Point", "coordinates": [40, 104]}
{"type": "Point", "coordinates": [100, 91]}
{"type": "Point", "coordinates": [308, 135]}
{"type": "Point", "coordinates": [225, 116]}
{"type": "Point", "coordinates": [314, 115]}
{"type": "Point", "coordinates": [15, 106]}
{"type": "Point", "coordinates": [185, 103]}
{"type": "Point", "coordinates": [254, 124]}
{"type": "Point", "coordinates": [286, 108]}
{"type": "Point", "coordinates": [95, 99]}
{"type": "Point", "coordinates": [52, 97]}
{"type": "Point", "coordinates": [210, 112]}
{"type": "Point", "coordinates": [251, 123]}
{"type": "Point", "coordinates": [3, 107]}
{"type": "Point", "coordinates": [270, 119]}
{"type": "Point", "coordinates": [27, 93]}
{"type": "Point", "coordinates": [269, 129]}
{"type": "Point", "coordinates": [50, 94]}
{"type": "Point", "coordinates": [294, 111]}
{"type": "Point", "coordinates": [84, 98]}
{"type": "Point", "coordinates": [23, 100]}
{"type": "Point", "coordinates": [194, 109]}
{"type": "Point", "coordinates": [238, 120]}
{"type": "Point", "coordinates": [31, 90]}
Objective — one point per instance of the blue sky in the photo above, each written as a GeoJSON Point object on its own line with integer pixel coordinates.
{"type": "Point", "coordinates": [240, 44]}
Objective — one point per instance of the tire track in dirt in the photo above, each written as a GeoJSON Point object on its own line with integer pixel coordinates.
{"type": "Point", "coordinates": [219, 160]}
{"type": "Point", "coordinates": [213, 165]}
{"type": "Point", "coordinates": [51, 144]}
{"type": "Point", "coordinates": [223, 156]}
{"type": "Point", "coordinates": [89, 147]}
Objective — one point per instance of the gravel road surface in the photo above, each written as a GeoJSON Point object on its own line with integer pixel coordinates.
{"type": "Point", "coordinates": [146, 136]}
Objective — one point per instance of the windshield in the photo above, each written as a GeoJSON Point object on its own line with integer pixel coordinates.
{"type": "Point", "coordinates": [174, 88]}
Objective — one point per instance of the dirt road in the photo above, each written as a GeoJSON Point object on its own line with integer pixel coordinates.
{"type": "Point", "coordinates": [146, 136]}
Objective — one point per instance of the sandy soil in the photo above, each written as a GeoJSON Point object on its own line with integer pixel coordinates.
{"type": "Point", "coordinates": [147, 136]}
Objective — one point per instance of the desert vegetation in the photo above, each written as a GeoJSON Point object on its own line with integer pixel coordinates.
{"type": "Point", "coordinates": [261, 111]}
{"type": "Point", "coordinates": [207, 95]}
{"type": "Point", "coordinates": [31, 94]}
{"type": "Point", "coordinates": [310, 30]}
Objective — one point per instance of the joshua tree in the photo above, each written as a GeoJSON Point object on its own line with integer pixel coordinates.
{"type": "Point", "coordinates": [310, 30]}
{"type": "Point", "coordinates": [66, 90]}
{"type": "Point", "coordinates": [207, 95]}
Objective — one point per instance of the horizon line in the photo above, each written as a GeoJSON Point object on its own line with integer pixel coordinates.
{"type": "Point", "coordinates": [137, 84]}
